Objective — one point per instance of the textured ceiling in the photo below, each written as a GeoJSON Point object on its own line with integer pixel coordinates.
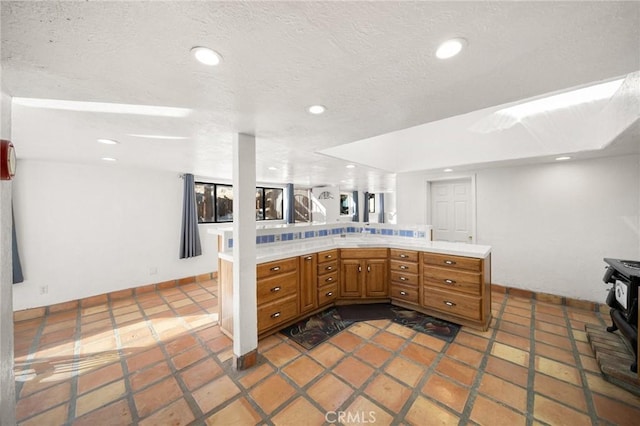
{"type": "Point", "coordinates": [371, 64]}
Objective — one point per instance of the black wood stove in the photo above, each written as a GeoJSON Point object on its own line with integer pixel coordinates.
{"type": "Point", "coordinates": [623, 300]}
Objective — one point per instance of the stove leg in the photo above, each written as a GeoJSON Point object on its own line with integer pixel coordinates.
{"type": "Point", "coordinates": [613, 326]}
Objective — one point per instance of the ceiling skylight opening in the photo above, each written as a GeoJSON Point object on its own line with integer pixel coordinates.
{"type": "Point", "coordinates": [450, 48]}
{"type": "Point", "coordinates": [157, 111]}
{"type": "Point", "coordinates": [206, 56]}
{"type": "Point", "coordinates": [593, 93]}
{"type": "Point", "coordinates": [317, 109]}
{"type": "Point", "coordinates": [164, 137]}
{"type": "Point", "coordinates": [108, 141]}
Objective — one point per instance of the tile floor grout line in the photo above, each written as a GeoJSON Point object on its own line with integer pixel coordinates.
{"type": "Point", "coordinates": [585, 384]}
{"type": "Point", "coordinates": [531, 369]}
{"type": "Point", "coordinates": [74, 378]}
{"type": "Point", "coordinates": [465, 415]}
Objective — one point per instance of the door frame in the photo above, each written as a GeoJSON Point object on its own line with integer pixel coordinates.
{"type": "Point", "coordinates": [456, 177]}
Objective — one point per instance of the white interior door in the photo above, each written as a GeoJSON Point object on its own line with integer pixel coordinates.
{"type": "Point", "coordinates": [451, 210]}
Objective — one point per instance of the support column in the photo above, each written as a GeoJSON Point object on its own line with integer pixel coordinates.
{"type": "Point", "coordinates": [245, 314]}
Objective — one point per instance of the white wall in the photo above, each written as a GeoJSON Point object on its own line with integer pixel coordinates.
{"type": "Point", "coordinates": [7, 384]}
{"type": "Point", "coordinates": [550, 225]}
{"type": "Point", "coordinates": [85, 230]}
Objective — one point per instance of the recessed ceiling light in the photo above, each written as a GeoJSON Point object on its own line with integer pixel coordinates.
{"type": "Point", "coordinates": [108, 159]}
{"type": "Point", "coordinates": [272, 168]}
{"type": "Point", "coordinates": [108, 141]}
{"type": "Point", "coordinates": [450, 48]}
{"type": "Point", "coordinates": [317, 109]}
{"type": "Point", "coordinates": [351, 166]}
{"type": "Point", "coordinates": [167, 137]}
{"type": "Point", "coordinates": [563, 158]}
{"type": "Point", "coordinates": [448, 170]}
{"type": "Point", "coordinates": [206, 56]}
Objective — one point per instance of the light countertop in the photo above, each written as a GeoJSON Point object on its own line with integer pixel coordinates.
{"type": "Point", "coordinates": [282, 250]}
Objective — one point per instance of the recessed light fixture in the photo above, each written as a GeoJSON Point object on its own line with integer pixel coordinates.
{"type": "Point", "coordinates": [167, 137]}
{"type": "Point", "coordinates": [450, 48]}
{"type": "Point", "coordinates": [206, 56]}
{"type": "Point", "coordinates": [273, 168]}
{"type": "Point", "coordinates": [448, 170]}
{"type": "Point", "coordinates": [563, 158]}
{"type": "Point", "coordinates": [108, 141]}
{"type": "Point", "coordinates": [110, 159]}
{"type": "Point", "coordinates": [317, 109]}
{"type": "Point", "coordinates": [351, 166]}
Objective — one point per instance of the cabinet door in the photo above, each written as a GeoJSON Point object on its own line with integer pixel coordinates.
{"type": "Point", "coordinates": [376, 278]}
{"type": "Point", "coordinates": [307, 289]}
{"type": "Point", "coordinates": [350, 278]}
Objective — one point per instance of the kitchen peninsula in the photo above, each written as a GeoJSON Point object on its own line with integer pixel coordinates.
{"type": "Point", "coordinates": [304, 269]}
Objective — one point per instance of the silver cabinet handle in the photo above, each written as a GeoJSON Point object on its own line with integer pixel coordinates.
{"type": "Point", "coordinates": [404, 267]}
{"type": "Point", "coordinates": [450, 262]}
{"type": "Point", "coordinates": [368, 268]}
{"type": "Point", "coordinates": [276, 315]}
{"type": "Point", "coordinates": [328, 280]}
{"type": "Point", "coordinates": [329, 268]}
{"type": "Point", "coordinates": [329, 294]}
{"type": "Point", "coordinates": [359, 268]}
{"type": "Point", "coordinates": [328, 256]}
{"type": "Point", "coordinates": [308, 258]}
{"type": "Point", "coordinates": [403, 256]}
{"type": "Point", "coordinates": [450, 282]}
{"type": "Point", "coordinates": [275, 289]}
{"type": "Point", "coordinates": [446, 302]}
{"type": "Point", "coordinates": [275, 268]}
{"type": "Point", "coordinates": [403, 293]}
{"type": "Point", "coordinates": [403, 278]}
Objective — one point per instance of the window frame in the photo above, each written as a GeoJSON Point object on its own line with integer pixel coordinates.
{"type": "Point", "coordinates": [259, 189]}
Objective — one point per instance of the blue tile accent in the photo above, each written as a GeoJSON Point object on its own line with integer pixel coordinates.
{"type": "Point", "coordinates": [271, 238]}
{"type": "Point", "coordinates": [322, 233]}
{"type": "Point", "coordinates": [309, 234]}
{"type": "Point", "coordinates": [230, 242]}
{"type": "Point", "coordinates": [257, 239]}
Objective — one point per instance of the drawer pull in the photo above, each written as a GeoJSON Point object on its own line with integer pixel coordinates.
{"type": "Point", "coordinates": [446, 302]}
{"type": "Point", "coordinates": [276, 315]}
{"type": "Point", "coordinates": [275, 268]}
{"type": "Point", "coordinates": [329, 294]}
{"type": "Point", "coordinates": [368, 268]}
{"type": "Point", "coordinates": [275, 289]}
{"type": "Point", "coordinates": [404, 267]}
{"type": "Point", "coordinates": [403, 256]}
{"type": "Point", "coordinates": [450, 282]}
{"type": "Point", "coordinates": [329, 268]}
{"type": "Point", "coordinates": [359, 268]}
{"type": "Point", "coordinates": [328, 256]}
{"type": "Point", "coordinates": [403, 278]}
{"type": "Point", "coordinates": [308, 258]}
{"type": "Point", "coordinates": [450, 262]}
{"type": "Point", "coordinates": [328, 280]}
{"type": "Point", "coordinates": [403, 293]}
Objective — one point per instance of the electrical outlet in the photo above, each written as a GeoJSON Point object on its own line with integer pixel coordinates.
{"type": "Point", "coordinates": [44, 289]}
{"type": "Point", "coordinates": [153, 270]}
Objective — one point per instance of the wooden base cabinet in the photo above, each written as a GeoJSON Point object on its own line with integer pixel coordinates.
{"type": "Point", "coordinates": [364, 274]}
{"type": "Point", "coordinates": [405, 278]}
{"type": "Point", "coordinates": [457, 289]}
{"type": "Point", "coordinates": [307, 290]}
{"type": "Point", "coordinates": [328, 277]}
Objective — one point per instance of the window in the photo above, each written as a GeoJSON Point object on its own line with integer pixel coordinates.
{"type": "Point", "coordinates": [372, 203]}
{"type": "Point", "coordinates": [215, 203]}
{"type": "Point", "coordinates": [346, 205]}
{"type": "Point", "coordinates": [301, 205]}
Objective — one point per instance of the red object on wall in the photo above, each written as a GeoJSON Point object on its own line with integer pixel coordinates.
{"type": "Point", "coordinates": [7, 160]}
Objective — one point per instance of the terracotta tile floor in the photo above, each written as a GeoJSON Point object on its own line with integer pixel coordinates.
{"type": "Point", "coordinates": [158, 358]}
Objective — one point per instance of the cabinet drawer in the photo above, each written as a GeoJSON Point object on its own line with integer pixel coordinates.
{"type": "Point", "coordinates": [366, 253]}
{"type": "Point", "coordinates": [277, 287]}
{"type": "Point", "coordinates": [457, 262]}
{"type": "Point", "coordinates": [454, 304]}
{"type": "Point", "coordinates": [403, 266]}
{"type": "Point", "coordinates": [404, 278]}
{"type": "Point", "coordinates": [327, 293]}
{"type": "Point", "coordinates": [404, 293]}
{"type": "Point", "coordinates": [405, 255]}
{"type": "Point", "coordinates": [277, 312]}
{"type": "Point", "coordinates": [328, 267]}
{"type": "Point", "coordinates": [328, 279]}
{"type": "Point", "coordinates": [452, 279]}
{"type": "Point", "coordinates": [270, 269]}
{"type": "Point", "coordinates": [328, 256]}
